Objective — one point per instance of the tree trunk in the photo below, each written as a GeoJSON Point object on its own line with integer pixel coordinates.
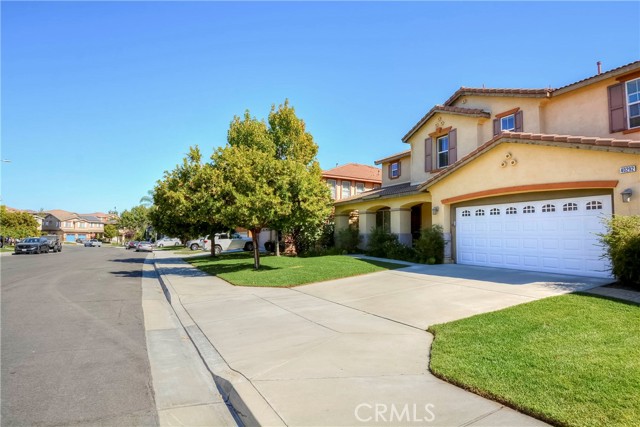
{"type": "Point", "coordinates": [213, 244]}
{"type": "Point", "coordinates": [255, 236]}
{"type": "Point", "coordinates": [277, 243]}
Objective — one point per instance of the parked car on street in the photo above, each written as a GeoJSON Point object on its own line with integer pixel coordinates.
{"type": "Point", "coordinates": [228, 242]}
{"type": "Point", "coordinates": [196, 244]}
{"type": "Point", "coordinates": [54, 243]}
{"type": "Point", "coordinates": [144, 247]}
{"type": "Point", "coordinates": [93, 243]}
{"type": "Point", "coordinates": [131, 244]}
{"type": "Point", "coordinates": [32, 245]}
{"type": "Point", "coordinates": [168, 241]}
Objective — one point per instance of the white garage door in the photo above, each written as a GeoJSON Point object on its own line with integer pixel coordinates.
{"type": "Point", "coordinates": [556, 236]}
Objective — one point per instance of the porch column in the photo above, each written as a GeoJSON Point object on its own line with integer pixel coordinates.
{"type": "Point", "coordinates": [341, 222]}
{"type": "Point", "coordinates": [401, 225]}
{"type": "Point", "coordinates": [366, 222]}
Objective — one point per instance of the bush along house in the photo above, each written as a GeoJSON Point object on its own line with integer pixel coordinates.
{"type": "Point", "coordinates": [517, 178]}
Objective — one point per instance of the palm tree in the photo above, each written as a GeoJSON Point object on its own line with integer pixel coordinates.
{"type": "Point", "coordinates": [147, 201]}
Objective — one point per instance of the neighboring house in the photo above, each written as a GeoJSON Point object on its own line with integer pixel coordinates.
{"type": "Point", "coordinates": [351, 179]}
{"type": "Point", "coordinates": [70, 226]}
{"type": "Point", "coordinates": [517, 178]}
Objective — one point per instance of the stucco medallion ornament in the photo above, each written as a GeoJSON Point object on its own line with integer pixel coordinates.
{"type": "Point", "coordinates": [509, 160]}
{"type": "Point", "coordinates": [439, 122]}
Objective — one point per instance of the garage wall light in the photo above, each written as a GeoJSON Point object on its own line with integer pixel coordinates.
{"type": "Point", "coordinates": [435, 209]}
{"type": "Point", "coordinates": [626, 195]}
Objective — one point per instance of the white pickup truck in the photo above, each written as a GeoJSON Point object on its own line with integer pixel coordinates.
{"type": "Point", "coordinates": [228, 242]}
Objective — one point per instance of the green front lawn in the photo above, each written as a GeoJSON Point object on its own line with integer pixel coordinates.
{"type": "Point", "coordinates": [571, 360]}
{"type": "Point", "coordinates": [7, 249]}
{"type": "Point", "coordinates": [285, 271]}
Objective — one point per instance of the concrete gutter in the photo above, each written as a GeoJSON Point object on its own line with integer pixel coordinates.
{"type": "Point", "coordinates": [250, 406]}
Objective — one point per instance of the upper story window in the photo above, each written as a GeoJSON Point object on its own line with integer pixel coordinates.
{"type": "Point", "coordinates": [359, 187]}
{"type": "Point", "coordinates": [331, 183]}
{"type": "Point", "coordinates": [443, 151]}
{"type": "Point", "coordinates": [346, 189]}
{"type": "Point", "coordinates": [508, 123]}
{"type": "Point", "coordinates": [633, 103]}
{"type": "Point", "coordinates": [394, 170]}
{"type": "Point", "coordinates": [624, 106]}
{"type": "Point", "coordinates": [510, 120]}
{"type": "Point", "coordinates": [444, 143]}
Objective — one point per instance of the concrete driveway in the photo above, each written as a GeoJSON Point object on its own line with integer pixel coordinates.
{"type": "Point", "coordinates": [351, 351]}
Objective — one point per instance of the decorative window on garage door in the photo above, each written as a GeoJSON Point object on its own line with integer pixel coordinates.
{"type": "Point", "coordinates": [479, 212]}
{"type": "Point", "coordinates": [568, 207]}
{"type": "Point", "coordinates": [548, 208]}
{"type": "Point", "coordinates": [528, 209]}
{"type": "Point", "coordinates": [466, 213]}
{"type": "Point", "coordinates": [494, 211]}
{"type": "Point", "coordinates": [511, 211]}
{"type": "Point", "coordinates": [594, 205]}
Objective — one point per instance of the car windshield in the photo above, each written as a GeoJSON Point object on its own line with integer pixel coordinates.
{"type": "Point", "coordinates": [31, 240]}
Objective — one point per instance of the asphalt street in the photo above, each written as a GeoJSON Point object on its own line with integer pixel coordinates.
{"type": "Point", "coordinates": [73, 340]}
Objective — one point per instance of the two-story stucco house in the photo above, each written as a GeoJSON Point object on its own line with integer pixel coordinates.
{"type": "Point", "coordinates": [70, 226]}
{"type": "Point", "coordinates": [517, 178]}
{"type": "Point", "coordinates": [351, 179]}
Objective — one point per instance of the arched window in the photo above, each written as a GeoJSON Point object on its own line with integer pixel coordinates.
{"type": "Point", "coordinates": [594, 205]}
{"type": "Point", "coordinates": [549, 208]}
{"type": "Point", "coordinates": [568, 207]}
{"type": "Point", "coordinates": [528, 209]}
{"type": "Point", "coordinates": [479, 212]}
{"type": "Point", "coordinates": [511, 211]}
{"type": "Point", "coordinates": [494, 211]}
{"type": "Point", "coordinates": [466, 213]}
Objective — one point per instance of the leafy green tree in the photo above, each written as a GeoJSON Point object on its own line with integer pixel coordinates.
{"type": "Point", "coordinates": [183, 201]}
{"type": "Point", "coordinates": [136, 220]}
{"type": "Point", "coordinates": [110, 231]}
{"type": "Point", "coordinates": [17, 224]}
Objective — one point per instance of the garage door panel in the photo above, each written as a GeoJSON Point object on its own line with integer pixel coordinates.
{"type": "Point", "coordinates": [534, 236]}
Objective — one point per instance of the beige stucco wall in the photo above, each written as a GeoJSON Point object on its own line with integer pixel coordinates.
{"type": "Point", "coordinates": [538, 165]}
{"type": "Point", "coordinates": [591, 118]}
{"type": "Point", "coordinates": [405, 172]}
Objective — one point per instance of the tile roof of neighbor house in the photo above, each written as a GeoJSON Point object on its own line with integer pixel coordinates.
{"type": "Point", "coordinates": [97, 214]}
{"type": "Point", "coordinates": [470, 112]}
{"type": "Point", "coordinates": [396, 156]}
{"type": "Point", "coordinates": [61, 215]}
{"type": "Point", "coordinates": [570, 141]}
{"type": "Point", "coordinates": [389, 191]}
{"type": "Point", "coordinates": [355, 171]}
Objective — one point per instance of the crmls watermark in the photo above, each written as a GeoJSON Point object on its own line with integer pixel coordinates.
{"type": "Point", "coordinates": [382, 412]}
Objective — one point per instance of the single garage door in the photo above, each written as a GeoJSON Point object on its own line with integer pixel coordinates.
{"type": "Point", "coordinates": [556, 236]}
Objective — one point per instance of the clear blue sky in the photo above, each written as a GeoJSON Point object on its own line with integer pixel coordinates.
{"type": "Point", "coordinates": [98, 99]}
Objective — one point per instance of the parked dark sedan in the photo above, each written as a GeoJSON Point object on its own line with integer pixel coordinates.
{"type": "Point", "coordinates": [32, 245]}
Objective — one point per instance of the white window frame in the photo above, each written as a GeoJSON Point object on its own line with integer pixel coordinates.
{"type": "Point", "coordinates": [359, 187]}
{"type": "Point", "coordinates": [629, 104]}
{"type": "Point", "coordinates": [440, 151]}
{"type": "Point", "coordinates": [395, 170]}
{"type": "Point", "coordinates": [342, 192]}
{"type": "Point", "coordinates": [332, 184]}
{"type": "Point", "coordinates": [502, 122]}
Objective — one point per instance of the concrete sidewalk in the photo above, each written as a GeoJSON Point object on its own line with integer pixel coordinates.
{"type": "Point", "coordinates": [350, 351]}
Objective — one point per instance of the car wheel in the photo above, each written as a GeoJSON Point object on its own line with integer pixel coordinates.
{"type": "Point", "coordinates": [160, 245]}
{"type": "Point", "coordinates": [177, 244]}
{"type": "Point", "coordinates": [194, 247]}
{"type": "Point", "coordinates": [248, 246]}
{"type": "Point", "coordinates": [217, 249]}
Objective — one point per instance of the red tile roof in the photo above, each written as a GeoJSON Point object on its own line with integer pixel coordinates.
{"type": "Point", "coordinates": [61, 215]}
{"type": "Point", "coordinates": [396, 156]}
{"type": "Point", "coordinates": [355, 171]}
{"type": "Point", "coordinates": [570, 141]}
{"type": "Point", "coordinates": [397, 190]}
{"type": "Point", "coordinates": [470, 112]}
{"type": "Point", "coordinates": [530, 93]}
{"type": "Point", "coordinates": [593, 79]}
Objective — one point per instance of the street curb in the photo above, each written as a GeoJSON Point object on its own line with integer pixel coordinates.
{"type": "Point", "coordinates": [236, 390]}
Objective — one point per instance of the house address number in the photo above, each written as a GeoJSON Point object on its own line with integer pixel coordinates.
{"type": "Point", "coordinates": [628, 169]}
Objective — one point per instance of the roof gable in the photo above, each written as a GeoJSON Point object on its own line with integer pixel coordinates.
{"type": "Point", "coordinates": [355, 171]}
{"type": "Point", "coordinates": [445, 109]}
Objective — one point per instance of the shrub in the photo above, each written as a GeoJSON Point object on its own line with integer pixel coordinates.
{"type": "Point", "coordinates": [386, 245]}
{"type": "Point", "coordinates": [622, 246]}
{"type": "Point", "coordinates": [348, 239]}
{"type": "Point", "coordinates": [430, 246]}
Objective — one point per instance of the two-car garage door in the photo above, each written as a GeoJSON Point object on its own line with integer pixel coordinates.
{"type": "Point", "coordinates": [556, 236]}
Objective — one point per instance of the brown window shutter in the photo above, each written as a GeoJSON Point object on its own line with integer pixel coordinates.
{"type": "Point", "coordinates": [389, 173]}
{"type": "Point", "coordinates": [518, 121]}
{"type": "Point", "coordinates": [399, 168]}
{"type": "Point", "coordinates": [617, 110]}
{"type": "Point", "coordinates": [453, 146]}
{"type": "Point", "coordinates": [428, 154]}
{"type": "Point", "coordinates": [496, 127]}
